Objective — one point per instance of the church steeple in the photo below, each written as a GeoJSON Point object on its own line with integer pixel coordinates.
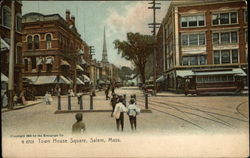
{"type": "Point", "coordinates": [104, 51]}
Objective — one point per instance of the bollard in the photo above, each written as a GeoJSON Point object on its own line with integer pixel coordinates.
{"type": "Point", "coordinates": [91, 102]}
{"type": "Point", "coordinates": [81, 106]}
{"type": "Point", "coordinates": [146, 100]}
{"type": "Point", "coordinates": [125, 102]}
{"type": "Point", "coordinates": [59, 102]}
{"type": "Point", "coordinates": [69, 102]}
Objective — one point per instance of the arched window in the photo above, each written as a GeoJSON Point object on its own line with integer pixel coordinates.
{"type": "Point", "coordinates": [18, 22]}
{"type": "Point", "coordinates": [29, 42]}
{"type": "Point", "coordinates": [48, 41]}
{"type": "Point", "coordinates": [6, 15]}
{"type": "Point", "coordinates": [36, 42]}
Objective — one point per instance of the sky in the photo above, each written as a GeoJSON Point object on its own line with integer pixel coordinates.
{"type": "Point", "coordinates": [118, 18]}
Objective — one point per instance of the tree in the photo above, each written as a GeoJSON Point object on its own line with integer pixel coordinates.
{"type": "Point", "coordinates": [124, 72]}
{"type": "Point", "coordinates": [137, 48]}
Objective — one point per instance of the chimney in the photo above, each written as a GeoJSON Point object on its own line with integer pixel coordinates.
{"type": "Point", "coordinates": [67, 15]}
{"type": "Point", "coordinates": [73, 19]}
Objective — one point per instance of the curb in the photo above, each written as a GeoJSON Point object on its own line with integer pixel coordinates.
{"type": "Point", "coordinates": [21, 107]}
{"type": "Point", "coordinates": [86, 111]}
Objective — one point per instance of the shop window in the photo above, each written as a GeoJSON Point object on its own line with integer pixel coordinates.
{"type": "Point", "coordinates": [6, 15]}
{"type": "Point", "coordinates": [36, 42]}
{"type": "Point", "coordinates": [30, 43]}
{"type": "Point", "coordinates": [48, 41]}
{"type": "Point", "coordinates": [235, 56]}
{"type": "Point", "coordinates": [216, 57]}
{"type": "Point", "coordinates": [225, 56]}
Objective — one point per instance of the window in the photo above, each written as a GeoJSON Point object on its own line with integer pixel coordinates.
{"type": "Point", "coordinates": [184, 60]}
{"type": "Point", "coordinates": [48, 41]}
{"type": "Point", "coordinates": [246, 17]}
{"type": "Point", "coordinates": [192, 21]}
{"type": "Point", "coordinates": [216, 57]}
{"type": "Point", "coordinates": [235, 56]}
{"type": "Point", "coordinates": [19, 22]}
{"type": "Point", "coordinates": [214, 79]}
{"type": "Point", "coordinates": [29, 42]}
{"type": "Point", "coordinates": [193, 39]}
{"type": "Point", "coordinates": [193, 60]}
{"type": "Point", "coordinates": [226, 56]}
{"type": "Point", "coordinates": [202, 60]}
{"type": "Point", "coordinates": [6, 14]}
{"type": "Point", "coordinates": [225, 37]}
{"type": "Point", "coordinates": [33, 62]}
{"type": "Point", "coordinates": [48, 67]}
{"type": "Point", "coordinates": [36, 42]}
{"type": "Point", "coordinates": [225, 18]}
{"type": "Point", "coordinates": [184, 40]}
{"type": "Point", "coordinates": [26, 62]}
{"type": "Point", "coordinates": [18, 55]}
{"type": "Point", "coordinates": [216, 39]}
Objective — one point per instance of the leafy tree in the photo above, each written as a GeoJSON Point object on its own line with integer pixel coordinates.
{"type": "Point", "coordinates": [124, 72]}
{"type": "Point", "coordinates": [137, 48]}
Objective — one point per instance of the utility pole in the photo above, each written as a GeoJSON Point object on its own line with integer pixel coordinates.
{"type": "Point", "coordinates": [11, 58]}
{"type": "Point", "coordinates": [154, 25]}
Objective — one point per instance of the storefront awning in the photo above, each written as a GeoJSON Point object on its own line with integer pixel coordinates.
{"type": "Point", "coordinates": [82, 61]}
{"type": "Point", "coordinates": [79, 81]}
{"type": "Point", "coordinates": [80, 52]}
{"type": "Point", "coordinates": [184, 73]}
{"type": "Point", "coordinates": [48, 61]}
{"type": "Point", "coordinates": [86, 78]}
{"type": "Point", "coordinates": [4, 45]}
{"type": "Point", "coordinates": [101, 82]}
{"type": "Point", "coordinates": [160, 79]}
{"type": "Point", "coordinates": [4, 78]}
{"type": "Point", "coordinates": [78, 67]}
{"type": "Point", "coordinates": [237, 71]}
{"type": "Point", "coordinates": [63, 62]}
{"type": "Point", "coordinates": [41, 80]}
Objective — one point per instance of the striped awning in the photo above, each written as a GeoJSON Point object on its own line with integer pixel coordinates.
{"type": "Point", "coordinates": [78, 67]}
{"type": "Point", "coordinates": [4, 45]}
{"type": "Point", "coordinates": [79, 81]}
{"type": "Point", "coordinates": [39, 61]}
{"type": "Point", "coordinates": [41, 80]}
{"type": "Point", "coordinates": [4, 78]}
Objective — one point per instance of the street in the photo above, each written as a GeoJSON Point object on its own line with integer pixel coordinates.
{"type": "Point", "coordinates": [171, 114]}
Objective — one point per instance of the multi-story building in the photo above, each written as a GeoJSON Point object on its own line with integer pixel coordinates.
{"type": "Point", "coordinates": [205, 44]}
{"type": "Point", "coordinates": [5, 29]}
{"type": "Point", "coordinates": [54, 53]}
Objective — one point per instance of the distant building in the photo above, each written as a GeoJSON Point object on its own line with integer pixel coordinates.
{"type": "Point", "coordinates": [5, 27]}
{"type": "Point", "coordinates": [205, 44]}
{"type": "Point", "coordinates": [54, 54]}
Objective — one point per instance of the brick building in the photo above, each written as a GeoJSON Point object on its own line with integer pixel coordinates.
{"type": "Point", "coordinates": [53, 52]}
{"type": "Point", "coordinates": [205, 44]}
{"type": "Point", "coordinates": [5, 27]}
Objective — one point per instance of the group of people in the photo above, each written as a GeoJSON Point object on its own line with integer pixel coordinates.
{"type": "Point", "coordinates": [17, 99]}
{"type": "Point", "coordinates": [119, 108]}
{"type": "Point", "coordinates": [48, 98]}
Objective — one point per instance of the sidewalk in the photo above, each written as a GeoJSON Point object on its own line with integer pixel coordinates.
{"type": "Point", "coordinates": [29, 103]}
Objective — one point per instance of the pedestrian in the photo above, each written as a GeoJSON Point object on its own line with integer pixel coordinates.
{"type": "Point", "coordinates": [46, 97]}
{"type": "Point", "coordinates": [22, 98]}
{"type": "Point", "coordinates": [15, 100]}
{"type": "Point", "coordinates": [113, 102]}
{"type": "Point", "coordinates": [107, 93]}
{"type": "Point", "coordinates": [49, 98]}
{"type": "Point", "coordinates": [113, 88]}
{"type": "Point", "coordinates": [78, 127]}
{"type": "Point", "coordinates": [118, 113]}
{"type": "Point", "coordinates": [133, 110]}
{"type": "Point", "coordinates": [4, 100]}
{"type": "Point", "coordinates": [78, 97]}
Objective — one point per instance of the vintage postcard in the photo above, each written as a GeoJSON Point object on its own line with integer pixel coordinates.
{"type": "Point", "coordinates": [124, 78]}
